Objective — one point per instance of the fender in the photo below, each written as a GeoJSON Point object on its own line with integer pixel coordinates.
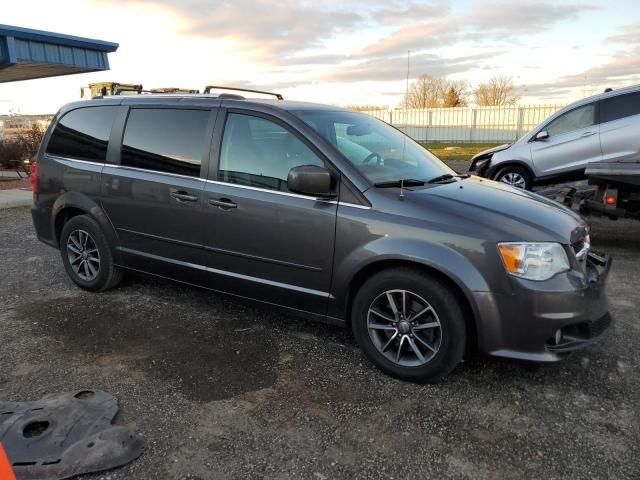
{"type": "Point", "coordinates": [88, 205]}
{"type": "Point", "coordinates": [438, 257]}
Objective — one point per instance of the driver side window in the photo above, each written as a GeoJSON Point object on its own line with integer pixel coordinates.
{"type": "Point", "coordinates": [259, 153]}
{"type": "Point", "coordinates": [581, 117]}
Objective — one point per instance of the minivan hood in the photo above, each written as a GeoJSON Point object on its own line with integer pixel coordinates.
{"type": "Point", "coordinates": [491, 151]}
{"type": "Point", "coordinates": [512, 214]}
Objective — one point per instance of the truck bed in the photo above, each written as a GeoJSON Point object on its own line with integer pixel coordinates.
{"type": "Point", "coordinates": [618, 172]}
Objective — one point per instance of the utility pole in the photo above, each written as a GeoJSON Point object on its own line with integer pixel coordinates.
{"type": "Point", "coordinates": [406, 92]}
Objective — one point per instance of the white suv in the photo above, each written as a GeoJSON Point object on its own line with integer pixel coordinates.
{"type": "Point", "coordinates": [605, 127]}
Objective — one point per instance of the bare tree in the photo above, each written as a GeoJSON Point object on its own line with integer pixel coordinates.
{"type": "Point", "coordinates": [366, 108]}
{"type": "Point", "coordinates": [497, 91]}
{"type": "Point", "coordinates": [435, 92]}
{"type": "Point", "coordinates": [30, 140]}
{"type": "Point", "coordinates": [425, 92]}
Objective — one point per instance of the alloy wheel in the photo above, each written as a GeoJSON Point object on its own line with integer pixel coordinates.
{"type": "Point", "coordinates": [404, 327]}
{"type": "Point", "coordinates": [514, 179]}
{"type": "Point", "coordinates": [83, 254]}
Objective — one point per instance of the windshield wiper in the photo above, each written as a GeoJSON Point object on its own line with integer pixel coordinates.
{"type": "Point", "coordinates": [441, 178]}
{"type": "Point", "coordinates": [407, 182]}
{"type": "Point", "coordinates": [447, 176]}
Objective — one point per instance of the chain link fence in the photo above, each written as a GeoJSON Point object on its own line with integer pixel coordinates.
{"type": "Point", "coordinates": [467, 124]}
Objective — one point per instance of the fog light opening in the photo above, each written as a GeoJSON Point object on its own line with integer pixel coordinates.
{"type": "Point", "coordinates": [558, 337]}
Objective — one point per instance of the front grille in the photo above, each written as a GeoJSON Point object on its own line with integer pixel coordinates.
{"type": "Point", "coordinates": [581, 247]}
{"type": "Point", "coordinates": [597, 327]}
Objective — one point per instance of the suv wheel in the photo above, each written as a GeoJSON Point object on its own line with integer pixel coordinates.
{"type": "Point", "coordinates": [409, 325]}
{"type": "Point", "coordinates": [86, 255]}
{"type": "Point", "coordinates": [515, 176]}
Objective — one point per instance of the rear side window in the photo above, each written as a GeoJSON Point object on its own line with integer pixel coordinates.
{"type": "Point", "coordinates": [83, 134]}
{"type": "Point", "coordinates": [165, 140]}
{"type": "Point", "coordinates": [620, 106]}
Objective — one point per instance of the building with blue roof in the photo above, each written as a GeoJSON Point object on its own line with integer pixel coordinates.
{"type": "Point", "coordinates": [26, 54]}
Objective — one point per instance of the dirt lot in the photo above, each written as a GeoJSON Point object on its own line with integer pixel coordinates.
{"type": "Point", "coordinates": [221, 388]}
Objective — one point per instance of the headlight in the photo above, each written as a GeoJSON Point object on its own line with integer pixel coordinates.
{"type": "Point", "coordinates": [480, 164]}
{"type": "Point", "coordinates": [534, 261]}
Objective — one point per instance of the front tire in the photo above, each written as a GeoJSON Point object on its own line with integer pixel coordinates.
{"type": "Point", "coordinates": [409, 325]}
{"type": "Point", "coordinates": [515, 176]}
{"type": "Point", "coordinates": [87, 256]}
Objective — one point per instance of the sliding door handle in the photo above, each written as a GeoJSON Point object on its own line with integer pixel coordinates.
{"type": "Point", "coordinates": [587, 134]}
{"type": "Point", "coordinates": [223, 203]}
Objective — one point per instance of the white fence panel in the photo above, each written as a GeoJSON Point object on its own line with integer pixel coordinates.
{"type": "Point", "coordinates": [467, 124]}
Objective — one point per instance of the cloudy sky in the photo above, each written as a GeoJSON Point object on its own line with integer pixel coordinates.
{"type": "Point", "coordinates": [340, 52]}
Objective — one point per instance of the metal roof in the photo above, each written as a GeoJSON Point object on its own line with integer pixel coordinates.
{"type": "Point", "coordinates": [26, 54]}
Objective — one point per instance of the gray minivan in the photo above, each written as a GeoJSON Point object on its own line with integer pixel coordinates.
{"type": "Point", "coordinates": [602, 128]}
{"type": "Point", "coordinates": [324, 211]}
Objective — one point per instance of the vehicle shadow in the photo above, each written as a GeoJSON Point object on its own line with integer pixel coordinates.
{"type": "Point", "coordinates": [211, 346]}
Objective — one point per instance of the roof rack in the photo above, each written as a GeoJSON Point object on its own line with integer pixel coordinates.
{"type": "Point", "coordinates": [175, 90]}
{"type": "Point", "coordinates": [208, 89]}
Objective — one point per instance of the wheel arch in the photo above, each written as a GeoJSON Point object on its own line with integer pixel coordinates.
{"type": "Point", "coordinates": [466, 299]}
{"type": "Point", "coordinates": [494, 169]}
{"type": "Point", "coordinates": [72, 204]}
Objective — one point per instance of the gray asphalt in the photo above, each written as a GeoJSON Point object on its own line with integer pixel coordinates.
{"type": "Point", "coordinates": [224, 388]}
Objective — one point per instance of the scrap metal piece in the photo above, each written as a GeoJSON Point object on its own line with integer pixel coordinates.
{"type": "Point", "coordinates": [64, 435]}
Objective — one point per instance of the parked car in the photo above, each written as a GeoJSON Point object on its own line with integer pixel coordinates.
{"type": "Point", "coordinates": [324, 211]}
{"type": "Point", "coordinates": [602, 128]}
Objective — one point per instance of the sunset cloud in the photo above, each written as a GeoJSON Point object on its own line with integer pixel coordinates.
{"type": "Point", "coordinates": [341, 51]}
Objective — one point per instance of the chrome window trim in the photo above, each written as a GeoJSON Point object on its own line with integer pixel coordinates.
{"type": "Point", "coordinates": [268, 190]}
{"type": "Point", "coordinates": [69, 159]}
{"type": "Point", "coordinates": [216, 182]}
{"type": "Point", "coordinates": [354, 205]}
{"type": "Point", "coordinates": [157, 172]}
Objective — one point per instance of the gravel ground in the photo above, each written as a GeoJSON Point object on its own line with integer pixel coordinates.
{"type": "Point", "coordinates": [222, 388]}
{"type": "Point", "coordinates": [8, 183]}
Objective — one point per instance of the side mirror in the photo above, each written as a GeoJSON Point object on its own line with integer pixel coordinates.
{"type": "Point", "coordinates": [310, 180]}
{"type": "Point", "coordinates": [542, 135]}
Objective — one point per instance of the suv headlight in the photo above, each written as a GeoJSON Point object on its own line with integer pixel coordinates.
{"type": "Point", "coordinates": [534, 261]}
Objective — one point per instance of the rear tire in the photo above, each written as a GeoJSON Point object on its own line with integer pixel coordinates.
{"type": "Point", "coordinates": [431, 322]}
{"type": "Point", "coordinates": [515, 176]}
{"type": "Point", "coordinates": [87, 256]}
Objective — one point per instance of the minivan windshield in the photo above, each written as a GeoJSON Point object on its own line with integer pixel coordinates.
{"type": "Point", "coordinates": [381, 153]}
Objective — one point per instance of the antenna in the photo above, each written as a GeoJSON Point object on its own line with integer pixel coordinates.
{"type": "Point", "coordinates": [406, 106]}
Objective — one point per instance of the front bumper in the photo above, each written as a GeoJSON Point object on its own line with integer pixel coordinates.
{"type": "Point", "coordinates": [544, 321]}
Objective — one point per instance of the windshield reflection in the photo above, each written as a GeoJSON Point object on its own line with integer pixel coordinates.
{"type": "Point", "coordinates": [379, 151]}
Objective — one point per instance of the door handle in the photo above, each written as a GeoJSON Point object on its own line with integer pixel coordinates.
{"type": "Point", "coordinates": [184, 197]}
{"type": "Point", "coordinates": [587, 134]}
{"type": "Point", "coordinates": [223, 203]}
